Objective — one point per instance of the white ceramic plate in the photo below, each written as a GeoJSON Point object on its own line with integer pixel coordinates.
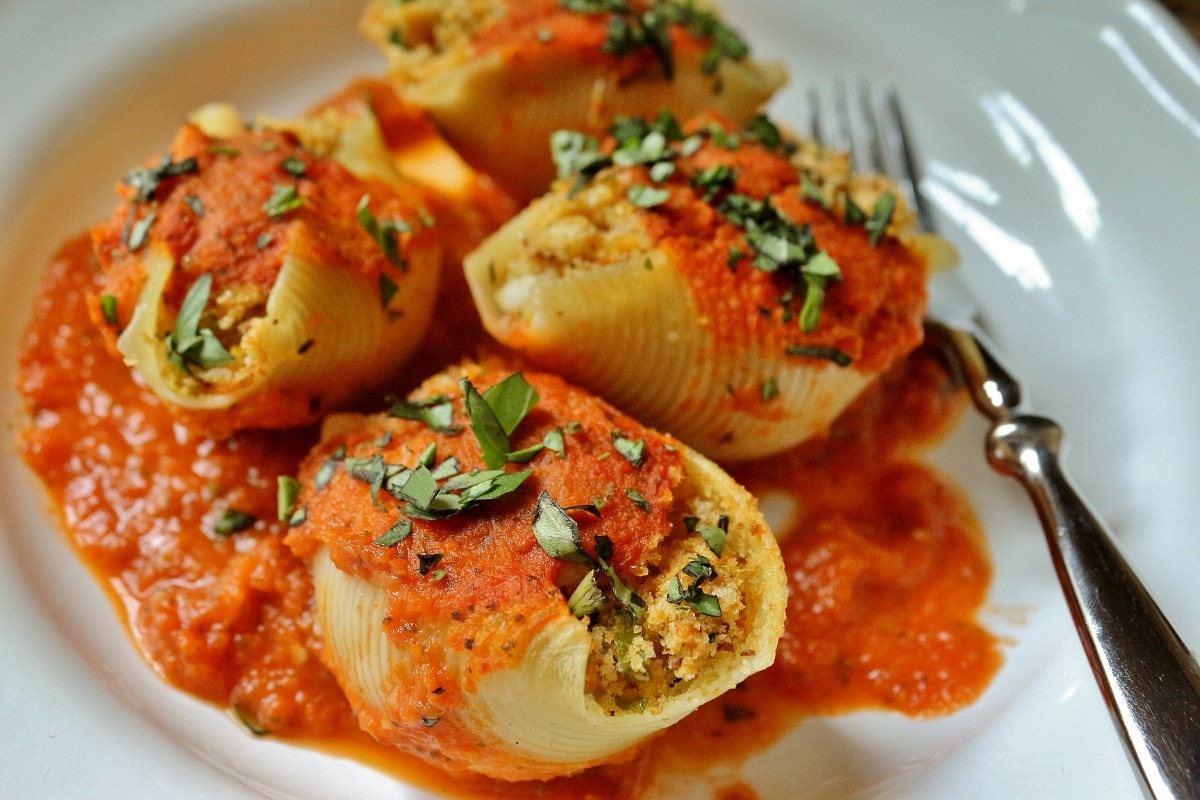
{"type": "Point", "coordinates": [1062, 143]}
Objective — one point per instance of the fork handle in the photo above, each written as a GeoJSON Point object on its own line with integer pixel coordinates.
{"type": "Point", "coordinates": [1150, 682]}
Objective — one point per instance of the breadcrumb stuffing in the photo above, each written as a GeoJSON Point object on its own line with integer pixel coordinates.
{"type": "Point", "coordinates": [423, 38]}
{"type": "Point", "coordinates": [594, 228]}
{"type": "Point", "coordinates": [637, 665]}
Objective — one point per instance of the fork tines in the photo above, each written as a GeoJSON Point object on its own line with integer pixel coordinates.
{"type": "Point", "coordinates": [866, 121]}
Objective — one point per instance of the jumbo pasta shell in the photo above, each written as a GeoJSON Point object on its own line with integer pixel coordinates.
{"type": "Point", "coordinates": [536, 720]}
{"type": "Point", "coordinates": [665, 311]}
{"type": "Point", "coordinates": [321, 264]}
{"type": "Point", "coordinates": [518, 687]}
{"type": "Point", "coordinates": [546, 72]}
{"type": "Point", "coordinates": [323, 335]}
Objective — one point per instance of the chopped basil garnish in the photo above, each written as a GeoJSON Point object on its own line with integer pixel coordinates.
{"type": "Point", "coordinates": [252, 724]}
{"type": "Point", "coordinates": [293, 166]}
{"type": "Point", "coordinates": [701, 570]}
{"type": "Point", "coordinates": [189, 343]}
{"type": "Point", "coordinates": [634, 452]}
{"type": "Point", "coordinates": [575, 153]}
{"type": "Point", "coordinates": [108, 307]}
{"type": "Point", "coordinates": [553, 441]}
{"type": "Point", "coordinates": [769, 389]}
{"type": "Point", "coordinates": [556, 532]}
{"type": "Point", "coordinates": [195, 204]}
{"type": "Point", "coordinates": [629, 598]}
{"type": "Point", "coordinates": [881, 217]}
{"type": "Point", "coordinates": [232, 521]}
{"type": "Point", "coordinates": [496, 413]}
{"type": "Point", "coordinates": [647, 196]}
{"type": "Point", "coordinates": [146, 180]}
{"type": "Point", "coordinates": [436, 412]}
{"type": "Point", "coordinates": [629, 30]}
{"type": "Point", "coordinates": [511, 400]}
{"type": "Point", "coordinates": [427, 561]}
{"type": "Point", "coordinates": [839, 357]}
{"type": "Point", "coordinates": [371, 471]}
{"type": "Point", "coordinates": [715, 535]}
{"type": "Point", "coordinates": [420, 488]}
{"type": "Point", "coordinates": [387, 290]}
{"type": "Point", "coordinates": [587, 598]}
{"type": "Point", "coordinates": [385, 233]}
{"type": "Point", "coordinates": [141, 230]}
{"type": "Point", "coordinates": [489, 432]}
{"type": "Point", "coordinates": [396, 534]}
{"type": "Point", "coordinates": [283, 199]}
{"type": "Point", "coordinates": [853, 214]}
{"type": "Point", "coordinates": [638, 500]}
{"type": "Point", "coordinates": [286, 494]}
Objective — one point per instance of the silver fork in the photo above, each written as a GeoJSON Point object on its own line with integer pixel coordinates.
{"type": "Point", "coordinates": [1149, 680]}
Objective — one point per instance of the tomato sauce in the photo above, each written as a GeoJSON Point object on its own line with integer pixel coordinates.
{"type": "Point", "coordinates": [887, 565]}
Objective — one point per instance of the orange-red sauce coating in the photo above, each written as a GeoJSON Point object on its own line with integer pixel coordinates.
{"type": "Point", "coordinates": [887, 565]}
{"type": "Point", "coordinates": [873, 314]}
{"type": "Point", "coordinates": [532, 29]}
{"type": "Point", "coordinates": [213, 219]}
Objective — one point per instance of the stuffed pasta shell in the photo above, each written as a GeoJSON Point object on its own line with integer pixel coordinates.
{"type": "Point", "coordinates": [716, 283]}
{"type": "Point", "coordinates": [258, 277]}
{"type": "Point", "coordinates": [499, 76]}
{"type": "Point", "coordinates": [514, 578]}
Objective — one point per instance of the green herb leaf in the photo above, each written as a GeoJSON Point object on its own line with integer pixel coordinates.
{"type": "Point", "coordinates": [715, 536]}
{"type": "Point", "coordinates": [587, 598]}
{"type": "Point", "coordinates": [881, 217]}
{"type": "Point", "coordinates": [195, 204]}
{"type": "Point", "coordinates": [575, 153]}
{"type": "Point", "coordinates": [420, 488]}
{"type": "Point", "coordinates": [511, 400]}
{"type": "Point", "coordinates": [283, 199]}
{"type": "Point", "coordinates": [769, 389]}
{"type": "Point", "coordinates": [553, 441]}
{"type": "Point", "coordinates": [647, 196]}
{"type": "Point", "coordinates": [385, 233]}
{"type": "Point", "coordinates": [371, 471]}
{"type": "Point", "coordinates": [557, 533]}
{"type": "Point", "coordinates": [526, 453]}
{"type": "Point", "coordinates": [286, 493]}
{"type": "Point", "coordinates": [634, 452]}
{"type": "Point", "coordinates": [141, 230]}
{"type": "Point", "coordinates": [146, 180]}
{"type": "Point", "coordinates": [189, 343]}
{"type": "Point", "coordinates": [396, 534]}
{"type": "Point", "coordinates": [427, 561]}
{"type": "Point", "coordinates": [436, 412]}
{"type": "Point", "coordinates": [638, 500]}
{"type": "Point", "coordinates": [629, 598]}
{"type": "Point", "coordinates": [838, 357]}
{"type": "Point", "coordinates": [232, 521]}
{"type": "Point", "coordinates": [387, 290]}
{"type": "Point", "coordinates": [108, 307]}
{"type": "Point", "coordinates": [854, 215]}
{"type": "Point", "coordinates": [489, 432]}
{"type": "Point", "coordinates": [293, 166]}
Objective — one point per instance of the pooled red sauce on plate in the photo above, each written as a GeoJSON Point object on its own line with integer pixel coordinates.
{"type": "Point", "coordinates": [887, 565]}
